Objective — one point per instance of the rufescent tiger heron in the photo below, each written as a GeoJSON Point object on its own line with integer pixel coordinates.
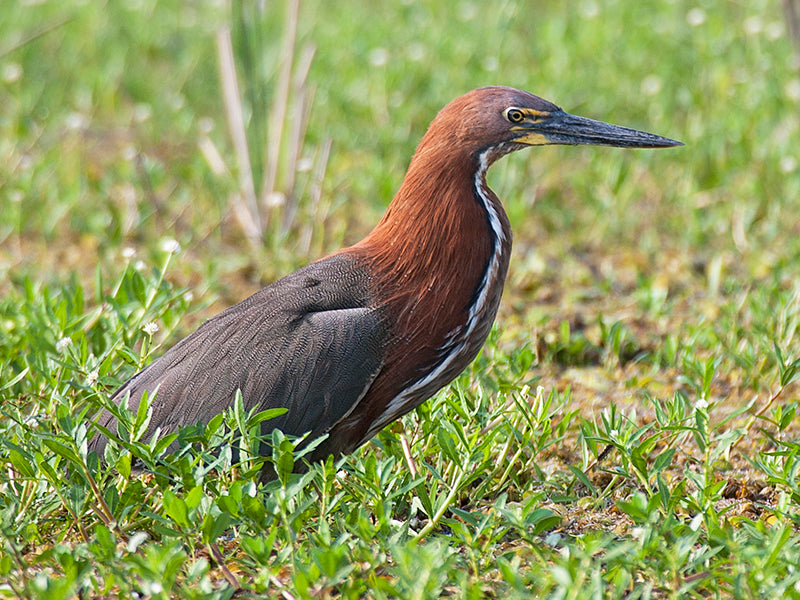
{"type": "Point", "coordinates": [357, 339]}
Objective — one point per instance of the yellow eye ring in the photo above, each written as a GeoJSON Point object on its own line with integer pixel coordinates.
{"type": "Point", "coordinates": [514, 115]}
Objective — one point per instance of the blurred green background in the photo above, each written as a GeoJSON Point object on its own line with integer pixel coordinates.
{"type": "Point", "coordinates": [102, 106]}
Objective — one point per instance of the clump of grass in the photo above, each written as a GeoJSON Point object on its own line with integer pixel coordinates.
{"type": "Point", "coordinates": [499, 486]}
{"type": "Point", "coordinates": [268, 102]}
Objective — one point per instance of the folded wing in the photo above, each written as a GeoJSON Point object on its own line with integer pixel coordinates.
{"type": "Point", "coordinates": [308, 342]}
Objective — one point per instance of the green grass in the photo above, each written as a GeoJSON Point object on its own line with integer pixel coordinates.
{"type": "Point", "coordinates": [629, 430]}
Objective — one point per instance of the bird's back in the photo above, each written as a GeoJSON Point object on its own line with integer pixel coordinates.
{"type": "Point", "coordinates": [310, 342]}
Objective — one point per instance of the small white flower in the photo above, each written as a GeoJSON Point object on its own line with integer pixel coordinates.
{"type": "Point", "coordinates": [205, 124]}
{"type": "Point", "coordinates": [63, 344]}
{"type": "Point", "coordinates": [136, 540]}
{"type": "Point", "coordinates": [128, 253]}
{"type": "Point", "coordinates": [177, 101]}
{"type": "Point", "coordinates": [11, 72]}
{"type": "Point", "coordinates": [142, 112]}
{"type": "Point", "coordinates": [788, 164]}
{"type": "Point", "coordinates": [275, 199]}
{"type": "Point", "coordinates": [696, 17]}
{"type": "Point", "coordinates": [76, 121]}
{"type": "Point", "coordinates": [378, 57]}
{"type": "Point", "coordinates": [304, 165]}
{"type": "Point", "coordinates": [416, 51]}
{"type": "Point", "coordinates": [651, 85]}
{"type": "Point", "coordinates": [792, 89]}
{"type": "Point", "coordinates": [613, 433]}
{"type": "Point", "coordinates": [129, 152]}
{"type": "Point", "coordinates": [171, 246]}
{"type": "Point", "coordinates": [589, 10]}
{"type": "Point", "coordinates": [150, 328]}
{"type": "Point", "coordinates": [91, 377]}
{"type": "Point", "coordinates": [140, 265]}
{"type": "Point", "coordinates": [753, 25]}
{"type": "Point", "coordinates": [188, 296]}
{"type": "Point", "coordinates": [467, 11]}
{"type": "Point", "coordinates": [701, 404]}
{"type": "Point", "coordinates": [774, 30]}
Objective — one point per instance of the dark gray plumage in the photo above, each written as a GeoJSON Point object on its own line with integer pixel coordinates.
{"type": "Point", "coordinates": [316, 322]}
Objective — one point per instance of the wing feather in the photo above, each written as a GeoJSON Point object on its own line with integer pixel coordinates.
{"type": "Point", "coordinates": [310, 342]}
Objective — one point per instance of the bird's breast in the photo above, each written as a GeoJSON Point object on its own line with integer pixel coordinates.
{"type": "Point", "coordinates": [438, 318]}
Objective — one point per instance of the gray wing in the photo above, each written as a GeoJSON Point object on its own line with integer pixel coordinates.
{"type": "Point", "coordinates": [309, 342]}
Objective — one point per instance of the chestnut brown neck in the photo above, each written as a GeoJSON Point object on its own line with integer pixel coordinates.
{"type": "Point", "coordinates": [437, 262]}
{"type": "Point", "coordinates": [434, 243]}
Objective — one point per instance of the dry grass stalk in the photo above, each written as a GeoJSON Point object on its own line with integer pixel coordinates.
{"type": "Point", "coordinates": [285, 152]}
{"type": "Point", "coordinates": [245, 209]}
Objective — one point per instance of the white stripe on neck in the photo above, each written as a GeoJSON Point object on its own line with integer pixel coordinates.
{"type": "Point", "coordinates": [457, 339]}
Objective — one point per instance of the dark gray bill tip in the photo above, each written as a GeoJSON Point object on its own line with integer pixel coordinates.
{"type": "Point", "coordinates": [570, 129]}
{"type": "Point", "coordinates": [642, 139]}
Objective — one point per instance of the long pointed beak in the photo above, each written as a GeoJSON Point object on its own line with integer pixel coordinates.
{"type": "Point", "coordinates": [564, 128]}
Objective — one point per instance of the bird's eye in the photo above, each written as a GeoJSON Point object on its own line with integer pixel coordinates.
{"type": "Point", "coordinates": [515, 115]}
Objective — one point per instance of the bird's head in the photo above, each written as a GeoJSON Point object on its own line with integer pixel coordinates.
{"type": "Point", "coordinates": [503, 119]}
